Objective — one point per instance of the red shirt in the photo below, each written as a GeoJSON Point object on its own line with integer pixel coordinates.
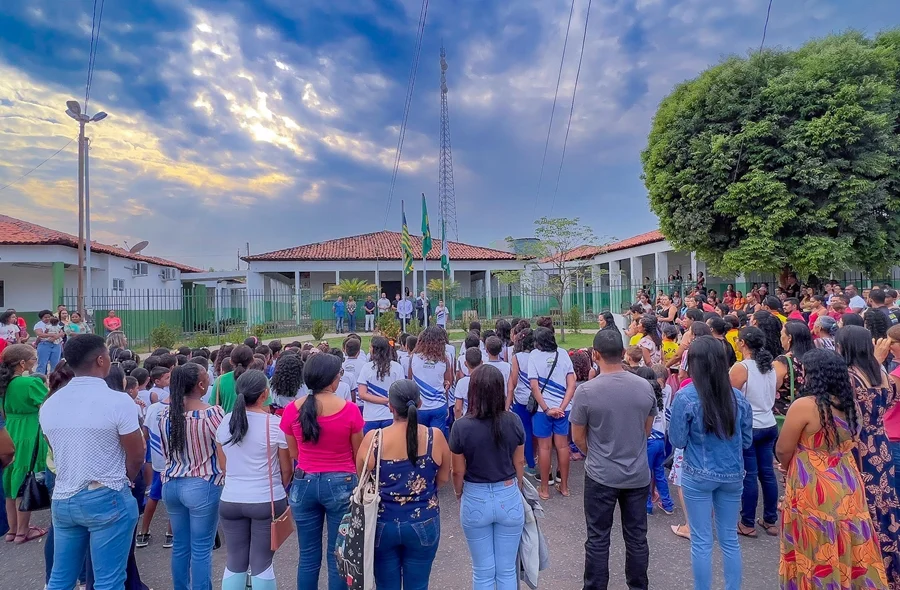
{"type": "Point", "coordinates": [334, 451]}
{"type": "Point", "coordinates": [112, 324]}
{"type": "Point", "coordinates": [796, 315]}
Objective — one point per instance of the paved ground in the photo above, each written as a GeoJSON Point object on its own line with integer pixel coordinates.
{"type": "Point", "coordinates": [670, 567]}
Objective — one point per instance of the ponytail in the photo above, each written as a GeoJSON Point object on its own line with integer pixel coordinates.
{"type": "Point", "coordinates": [184, 379]}
{"type": "Point", "coordinates": [309, 419]}
{"type": "Point", "coordinates": [319, 372]}
{"type": "Point", "coordinates": [250, 386]}
{"type": "Point", "coordinates": [412, 431]}
{"type": "Point", "coordinates": [404, 397]}
{"type": "Point", "coordinates": [238, 425]}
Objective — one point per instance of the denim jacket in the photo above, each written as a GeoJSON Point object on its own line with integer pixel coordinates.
{"type": "Point", "coordinates": [706, 456]}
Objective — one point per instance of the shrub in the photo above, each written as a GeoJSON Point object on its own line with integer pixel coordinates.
{"type": "Point", "coordinates": [259, 330]}
{"type": "Point", "coordinates": [318, 329]}
{"type": "Point", "coordinates": [573, 320]}
{"type": "Point", "coordinates": [201, 340]}
{"type": "Point", "coordinates": [388, 325]}
{"type": "Point", "coordinates": [163, 336]}
{"type": "Point", "coordinates": [413, 328]}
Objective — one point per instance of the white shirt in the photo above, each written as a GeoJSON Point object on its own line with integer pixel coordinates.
{"type": "Point", "coordinates": [539, 363]}
{"type": "Point", "coordinates": [343, 391]}
{"type": "Point", "coordinates": [403, 359]}
{"type": "Point", "coordinates": [405, 308]}
{"type": "Point", "coordinates": [368, 376]}
{"type": "Point", "coordinates": [352, 367]}
{"type": "Point", "coordinates": [462, 366]}
{"type": "Point", "coordinates": [384, 305]}
{"type": "Point", "coordinates": [523, 385]}
{"type": "Point", "coordinates": [441, 313]}
{"type": "Point", "coordinates": [429, 376]}
{"type": "Point", "coordinates": [505, 369]}
{"type": "Point", "coordinates": [462, 392]}
{"type": "Point", "coordinates": [83, 422]}
{"type": "Point", "coordinates": [162, 393]}
{"type": "Point", "coordinates": [246, 480]}
{"type": "Point", "coordinates": [154, 440]}
{"type": "Point", "coordinates": [144, 396]}
{"type": "Point", "coordinates": [9, 332]}
{"type": "Point", "coordinates": [760, 390]}
{"type": "Point", "coordinates": [451, 352]}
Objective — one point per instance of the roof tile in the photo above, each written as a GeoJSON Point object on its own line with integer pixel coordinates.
{"type": "Point", "coordinates": [582, 252]}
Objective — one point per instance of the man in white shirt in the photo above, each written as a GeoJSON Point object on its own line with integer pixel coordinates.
{"type": "Point", "coordinates": [384, 304]}
{"type": "Point", "coordinates": [857, 303]}
{"type": "Point", "coordinates": [441, 314]}
{"type": "Point", "coordinates": [405, 310]}
{"type": "Point", "coordinates": [98, 449]}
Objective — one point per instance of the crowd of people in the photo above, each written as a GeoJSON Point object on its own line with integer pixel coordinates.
{"type": "Point", "coordinates": [405, 309]}
{"type": "Point", "coordinates": [794, 405]}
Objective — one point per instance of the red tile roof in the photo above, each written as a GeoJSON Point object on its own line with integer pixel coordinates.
{"type": "Point", "coordinates": [583, 252]}
{"type": "Point", "coordinates": [15, 232]}
{"type": "Point", "coordinates": [383, 245]}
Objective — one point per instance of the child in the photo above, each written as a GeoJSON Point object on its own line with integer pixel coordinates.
{"type": "Point", "coordinates": [634, 356]}
{"type": "Point", "coordinates": [132, 388]}
{"type": "Point", "coordinates": [731, 336]}
{"type": "Point", "coordinates": [669, 343]}
{"type": "Point", "coordinates": [471, 341]}
{"type": "Point", "coordinates": [656, 446]}
{"type": "Point", "coordinates": [472, 361]}
{"type": "Point", "coordinates": [494, 349]}
{"type": "Point", "coordinates": [159, 377]}
{"type": "Point", "coordinates": [151, 428]}
{"type": "Point", "coordinates": [352, 365]}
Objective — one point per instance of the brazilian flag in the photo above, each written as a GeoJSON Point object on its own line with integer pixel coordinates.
{"type": "Point", "coordinates": [426, 230]}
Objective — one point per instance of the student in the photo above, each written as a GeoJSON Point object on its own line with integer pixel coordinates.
{"type": "Point", "coordinates": [223, 391]}
{"type": "Point", "coordinates": [519, 390]}
{"type": "Point", "coordinates": [407, 343]}
{"type": "Point", "coordinates": [656, 445]}
{"type": "Point", "coordinates": [441, 314]}
{"type": "Point", "coordinates": [494, 347]}
{"type": "Point", "coordinates": [634, 356]}
{"type": "Point", "coordinates": [287, 382]}
{"type": "Point", "coordinates": [429, 367]}
{"type": "Point", "coordinates": [471, 341]}
{"type": "Point", "coordinates": [669, 343]}
{"type": "Point", "coordinates": [374, 382]}
{"type": "Point", "coordinates": [159, 392]}
{"type": "Point", "coordinates": [472, 361]}
{"type": "Point", "coordinates": [352, 365]}
{"type": "Point", "coordinates": [151, 429]}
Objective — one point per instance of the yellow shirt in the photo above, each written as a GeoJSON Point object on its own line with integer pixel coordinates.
{"type": "Point", "coordinates": [732, 338]}
{"type": "Point", "coordinates": [635, 339]}
{"type": "Point", "coordinates": [780, 317]}
{"type": "Point", "coordinates": [669, 349]}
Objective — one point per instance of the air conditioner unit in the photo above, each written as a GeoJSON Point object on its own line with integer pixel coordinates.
{"type": "Point", "coordinates": [168, 274]}
{"type": "Point", "coordinates": [140, 269]}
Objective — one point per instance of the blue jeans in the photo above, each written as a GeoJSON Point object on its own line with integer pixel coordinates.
{"type": "Point", "coordinates": [315, 499]}
{"type": "Point", "coordinates": [436, 418]}
{"type": "Point", "coordinates": [656, 456]}
{"type": "Point", "coordinates": [376, 424]}
{"type": "Point", "coordinates": [702, 498]}
{"type": "Point", "coordinates": [758, 462]}
{"type": "Point", "coordinates": [47, 353]}
{"type": "Point", "coordinates": [492, 518]}
{"type": "Point", "coordinates": [338, 323]}
{"type": "Point", "coordinates": [102, 520]}
{"type": "Point", "coordinates": [193, 507]}
{"type": "Point", "coordinates": [404, 552]}
{"type": "Point", "coordinates": [523, 413]}
{"type": "Point", "coordinates": [351, 322]}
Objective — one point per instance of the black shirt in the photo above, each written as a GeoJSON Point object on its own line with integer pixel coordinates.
{"type": "Point", "coordinates": [486, 461]}
{"type": "Point", "coordinates": [370, 307]}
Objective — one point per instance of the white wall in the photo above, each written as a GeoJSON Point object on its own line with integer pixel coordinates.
{"type": "Point", "coordinates": [26, 289]}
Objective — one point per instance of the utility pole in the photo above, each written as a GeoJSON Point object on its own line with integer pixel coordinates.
{"type": "Point", "coordinates": [89, 305]}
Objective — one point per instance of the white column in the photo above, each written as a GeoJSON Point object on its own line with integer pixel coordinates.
{"type": "Point", "coordinates": [662, 270]}
{"type": "Point", "coordinates": [297, 296]}
{"type": "Point", "coordinates": [378, 281]}
{"type": "Point", "coordinates": [693, 269]}
{"type": "Point", "coordinates": [451, 305]}
{"type": "Point", "coordinates": [525, 282]}
{"type": "Point", "coordinates": [637, 276]}
{"type": "Point", "coordinates": [615, 286]}
{"type": "Point", "coordinates": [487, 295]}
{"type": "Point", "coordinates": [596, 288]}
{"type": "Point", "coordinates": [337, 277]}
{"type": "Point", "coordinates": [415, 289]}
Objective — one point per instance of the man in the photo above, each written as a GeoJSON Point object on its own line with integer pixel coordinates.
{"type": "Point", "coordinates": [611, 418]}
{"type": "Point", "coordinates": [384, 304]}
{"type": "Point", "coordinates": [98, 449]}
{"type": "Point", "coordinates": [857, 303]}
{"type": "Point", "coordinates": [792, 309]}
{"type": "Point", "coordinates": [397, 305]}
{"type": "Point", "coordinates": [773, 305]}
{"type": "Point", "coordinates": [59, 309]}
{"type": "Point", "coordinates": [441, 314]}
{"type": "Point", "coordinates": [338, 310]}
{"type": "Point", "coordinates": [878, 300]}
{"type": "Point", "coordinates": [890, 299]}
{"type": "Point", "coordinates": [422, 308]}
{"type": "Point", "coordinates": [405, 310]}
{"type": "Point", "coordinates": [792, 289]}
{"type": "Point", "coordinates": [369, 306]}
{"type": "Point", "coordinates": [677, 282]}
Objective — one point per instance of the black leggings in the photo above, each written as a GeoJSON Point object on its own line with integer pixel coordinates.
{"type": "Point", "coordinates": [248, 534]}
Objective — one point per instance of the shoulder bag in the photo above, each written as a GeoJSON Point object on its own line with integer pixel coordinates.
{"type": "Point", "coordinates": [532, 405]}
{"type": "Point", "coordinates": [34, 494]}
{"type": "Point", "coordinates": [355, 546]}
{"type": "Point", "coordinates": [282, 526]}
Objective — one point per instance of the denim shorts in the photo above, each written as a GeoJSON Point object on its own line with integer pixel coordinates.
{"type": "Point", "coordinates": [156, 487]}
{"type": "Point", "coordinates": [543, 426]}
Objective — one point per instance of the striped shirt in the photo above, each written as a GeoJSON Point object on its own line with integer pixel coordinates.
{"type": "Point", "coordinates": [429, 376]}
{"type": "Point", "coordinates": [199, 457]}
{"type": "Point", "coordinates": [554, 385]}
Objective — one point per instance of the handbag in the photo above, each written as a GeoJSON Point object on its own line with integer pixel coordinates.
{"type": "Point", "coordinates": [282, 526]}
{"type": "Point", "coordinates": [34, 494]}
{"type": "Point", "coordinates": [354, 549]}
{"type": "Point", "coordinates": [532, 405]}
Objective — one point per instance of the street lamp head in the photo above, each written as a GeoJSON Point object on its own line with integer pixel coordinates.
{"type": "Point", "coordinates": [74, 106]}
{"type": "Point", "coordinates": [73, 115]}
{"type": "Point", "coordinates": [99, 117]}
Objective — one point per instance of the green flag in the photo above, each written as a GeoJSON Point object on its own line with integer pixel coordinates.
{"type": "Point", "coordinates": [445, 250]}
{"type": "Point", "coordinates": [426, 231]}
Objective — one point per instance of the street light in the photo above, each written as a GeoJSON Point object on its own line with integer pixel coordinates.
{"type": "Point", "coordinates": [73, 110]}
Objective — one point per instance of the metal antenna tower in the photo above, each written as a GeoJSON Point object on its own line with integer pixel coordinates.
{"type": "Point", "coordinates": [446, 190]}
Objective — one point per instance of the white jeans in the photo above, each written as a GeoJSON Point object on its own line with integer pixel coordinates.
{"type": "Point", "coordinates": [370, 322]}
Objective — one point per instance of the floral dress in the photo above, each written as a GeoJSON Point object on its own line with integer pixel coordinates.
{"type": "Point", "coordinates": [827, 537]}
{"type": "Point", "coordinates": [409, 490]}
{"type": "Point", "coordinates": [876, 465]}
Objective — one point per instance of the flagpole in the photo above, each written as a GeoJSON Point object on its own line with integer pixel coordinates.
{"type": "Point", "coordinates": [425, 287]}
{"type": "Point", "coordinates": [402, 271]}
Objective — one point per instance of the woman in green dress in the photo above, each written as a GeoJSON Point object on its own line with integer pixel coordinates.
{"type": "Point", "coordinates": [21, 398]}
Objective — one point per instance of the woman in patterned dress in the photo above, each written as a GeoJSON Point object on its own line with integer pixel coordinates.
{"type": "Point", "coordinates": [827, 537]}
{"type": "Point", "coordinates": [874, 397]}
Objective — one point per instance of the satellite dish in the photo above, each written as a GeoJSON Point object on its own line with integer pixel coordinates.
{"type": "Point", "coordinates": [138, 247]}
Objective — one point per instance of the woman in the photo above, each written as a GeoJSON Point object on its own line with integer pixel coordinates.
{"type": "Point", "coordinates": [116, 339]}
{"type": "Point", "coordinates": [287, 382]}
{"type": "Point", "coordinates": [76, 325]}
{"type": "Point", "coordinates": [223, 393]}
{"type": "Point", "coordinates": [851, 319]}
{"type": "Point", "coordinates": [520, 390]}
{"type": "Point", "coordinates": [351, 313]}
{"type": "Point", "coordinates": [667, 312]}
{"type": "Point", "coordinates": [808, 302]}
{"type": "Point", "coordinates": [48, 336]}
{"type": "Point", "coordinates": [432, 371]}
{"type": "Point", "coordinates": [796, 340]}
{"type": "Point", "coordinates": [488, 446]}
{"type": "Point", "coordinates": [729, 296]}
{"type": "Point", "coordinates": [374, 382]}
{"type": "Point", "coordinates": [739, 303]}
{"type": "Point", "coordinates": [606, 321]}
{"type": "Point", "coordinates": [21, 397]}
{"type": "Point", "coordinates": [824, 330]}
{"type": "Point", "coordinates": [755, 377]}
{"type": "Point", "coordinates": [816, 448]}
{"type": "Point", "coordinates": [253, 453]}
{"type": "Point", "coordinates": [323, 433]}
{"type": "Point", "coordinates": [650, 343]}
{"type": "Point", "coordinates": [752, 306]}
{"type": "Point", "coordinates": [892, 416]}
{"type": "Point", "coordinates": [874, 396]}
{"type": "Point", "coordinates": [552, 380]}
{"type": "Point", "coordinates": [192, 480]}
{"type": "Point", "coordinates": [713, 423]}
{"type": "Point", "coordinates": [771, 326]}
{"type": "Point", "coordinates": [876, 323]}
{"type": "Point", "coordinates": [409, 518]}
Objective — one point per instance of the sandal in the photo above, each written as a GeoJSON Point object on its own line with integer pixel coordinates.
{"type": "Point", "coordinates": [746, 531]}
{"type": "Point", "coordinates": [10, 537]}
{"type": "Point", "coordinates": [565, 494]}
{"type": "Point", "coordinates": [771, 529]}
{"type": "Point", "coordinates": [542, 496]}
{"type": "Point", "coordinates": [29, 536]}
{"type": "Point", "coordinates": [680, 533]}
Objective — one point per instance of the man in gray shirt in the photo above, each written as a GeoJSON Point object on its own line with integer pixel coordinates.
{"type": "Point", "coordinates": [611, 419]}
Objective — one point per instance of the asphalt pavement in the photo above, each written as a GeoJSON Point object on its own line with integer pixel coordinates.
{"type": "Point", "coordinates": [670, 556]}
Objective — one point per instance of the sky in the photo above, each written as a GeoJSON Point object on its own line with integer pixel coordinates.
{"type": "Point", "coordinates": [275, 122]}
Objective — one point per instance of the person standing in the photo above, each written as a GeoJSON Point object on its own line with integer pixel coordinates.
{"type": "Point", "coordinates": [369, 306]}
{"type": "Point", "coordinates": [351, 314]}
{"type": "Point", "coordinates": [612, 416]}
{"type": "Point", "coordinates": [432, 371]}
{"type": "Point", "coordinates": [488, 446]}
{"type": "Point", "coordinates": [422, 308]}
{"type": "Point", "coordinates": [441, 314]}
{"type": "Point", "coordinates": [405, 308]}
{"type": "Point", "coordinates": [49, 342]}
{"type": "Point", "coordinates": [98, 449]}
{"type": "Point", "coordinates": [374, 382]}
{"type": "Point", "coordinates": [338, 310]}
{"type": "Point", "coordinates": [713, 423]}
{"type": "Point", "coordinates": [384, 304]}
{"type": "Point", "coordinates": [112, 323]}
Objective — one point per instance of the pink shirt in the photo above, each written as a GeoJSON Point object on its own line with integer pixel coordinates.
{"type": "Point", "coordinates": [334, 451]}
{"type": "Point", "coordinates": [796, 315]}
{"type": "Point", "coordinates": [892, 416]}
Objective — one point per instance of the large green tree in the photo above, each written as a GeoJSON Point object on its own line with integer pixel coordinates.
{"type": "Point", "coordinates": [786, 159]}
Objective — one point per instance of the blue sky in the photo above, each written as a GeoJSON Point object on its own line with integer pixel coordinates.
{"type": "Point", "coordinates": [274, 122]}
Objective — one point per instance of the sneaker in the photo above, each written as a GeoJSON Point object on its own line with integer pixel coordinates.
{"type": "Point", "coordinates": [663, 508]}
{"type": "Point", "coordinates": [531, 471]}
{"type": "Point", "coordinates": [142, 540]}
{"type": "Point", "coordinates": [170, 540]}
{"type": "Point", "coordinates": [558, 475]}
{"type": "Point", "coordinates": [537, 476]}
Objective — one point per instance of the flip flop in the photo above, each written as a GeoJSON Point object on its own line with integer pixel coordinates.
{"type": "Point", "coordinates": [10, 537]}
{"type": "Point", "coordinates": [746, 531]}
{"type": "Point", "coordinates": [542, 496]}
{"type": "Point", "coordinates": [771, 529]}
{"type": "Point", "coordinates": [564, 494]}
{"type": "Point", "coordinates": [29, 537]}
{"type": "Point", "coordinates": [678, 532]}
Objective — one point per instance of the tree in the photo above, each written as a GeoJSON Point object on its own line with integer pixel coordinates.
{"type": "Point", "coordinates": [786, 159]}
{"type": "Point", "coordinates": [555, 265]}
{"type": "Point", "coordinates": [356, 288]}
{"type": "Point", "coordinates": [438, 287]}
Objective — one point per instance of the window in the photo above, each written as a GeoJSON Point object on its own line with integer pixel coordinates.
{"type": "Point", "coordinates": [118, 285]}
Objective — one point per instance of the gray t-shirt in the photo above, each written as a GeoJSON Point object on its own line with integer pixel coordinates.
{"type": "Point", "coordinates": [615, 408]}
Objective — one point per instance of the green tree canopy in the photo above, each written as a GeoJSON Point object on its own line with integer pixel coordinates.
{"type": "Point", "coordinates": [784, 159]}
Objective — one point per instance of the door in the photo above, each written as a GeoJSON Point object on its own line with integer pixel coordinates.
{"type": "Point", "coordinates": [391, 288]}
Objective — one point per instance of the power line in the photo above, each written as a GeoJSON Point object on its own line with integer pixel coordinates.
{"type": "Point", "coordinates": [96, 21]}
{"type": "Point", "coordinates": [553, 109]}
{"type": "Point", "coordinates": [587, 19]}
{"type": "Point", "coordinates": [6, 186]}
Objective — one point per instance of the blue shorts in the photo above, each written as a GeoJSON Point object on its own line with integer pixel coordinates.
{"type": "Point", "coordinates": [543, 426]}
{"type": "Point", "coordinates": [376, 424]}
{"type": "Point", "coordinates": [156, 487]}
